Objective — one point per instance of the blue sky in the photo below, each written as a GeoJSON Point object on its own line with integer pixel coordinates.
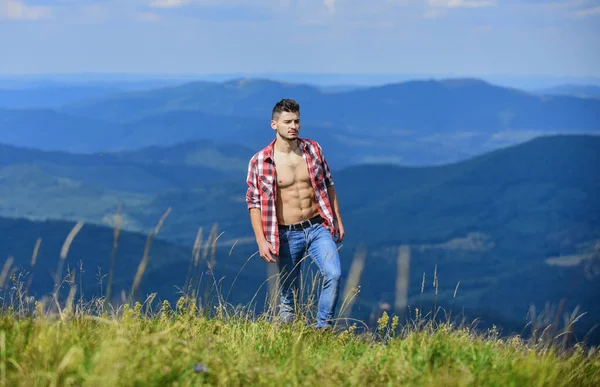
{"type": "Point", "coordinates": [465, 37]}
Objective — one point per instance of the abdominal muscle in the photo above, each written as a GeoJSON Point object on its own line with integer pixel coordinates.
{"type": "Point", "coordinates": [295, 199]}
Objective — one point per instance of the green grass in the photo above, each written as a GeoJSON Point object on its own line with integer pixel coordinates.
{"type": "Point", "coordinates": [60, 340]}
{"type": "Point", "coordinates": [182, 346]}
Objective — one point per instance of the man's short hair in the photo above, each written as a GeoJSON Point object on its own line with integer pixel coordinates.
{"type": "Point", "coordinates": [285, 105]}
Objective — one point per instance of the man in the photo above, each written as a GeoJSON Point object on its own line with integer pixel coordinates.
{"type": "Point", "coordinates": [294, 210]}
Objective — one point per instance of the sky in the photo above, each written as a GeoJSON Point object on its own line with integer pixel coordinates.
{"type": "Point", "coordinates": [463, 37]}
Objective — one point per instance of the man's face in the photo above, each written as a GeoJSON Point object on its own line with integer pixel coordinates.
{"type": "Point", "coordinates": [287, 125]}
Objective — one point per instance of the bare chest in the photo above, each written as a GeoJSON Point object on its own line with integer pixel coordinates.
{"type": "Point", "coordinates": [291, 170]}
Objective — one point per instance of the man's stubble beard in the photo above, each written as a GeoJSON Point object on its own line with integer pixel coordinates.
{"type": "Point", "coordinates": [286, 137]}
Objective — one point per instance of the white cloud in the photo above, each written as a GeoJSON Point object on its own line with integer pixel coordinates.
{"type": "Point", "coordinates": [18, 10]}
{"type": "Point", "coordinates": [434, 13]}
{"type": "Point", "coordinates": [439, 8]}
{"type": "Point", "coordinates": [461, 3]}
{"type": "Point", "coordinates": [575, 9]}
{"type": "Point", "coordinates": [216, 3]}
{"type": "Point", "coordinates": [168, 3]}
{"type": "Point", "coordinates": [564, 4]}
{"type": "Point", "coordinates": [94, 13]}
{"type": "Point", "coordinates": [330, 5]}
{"type": "Point", "coordinates": [147, 17]}
{"type": "Point", "coordinates": [587, 12]}
{"type": "Point", "coordinates": [482, 28]}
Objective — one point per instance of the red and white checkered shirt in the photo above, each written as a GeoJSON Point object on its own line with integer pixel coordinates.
{"type": "Point", "coordinates": [262, 187]}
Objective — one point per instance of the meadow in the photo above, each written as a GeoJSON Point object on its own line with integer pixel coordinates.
{"type": "Point", "coordinates": [61, 341]}
{"type": "Point", "coordinates": [182, 346]}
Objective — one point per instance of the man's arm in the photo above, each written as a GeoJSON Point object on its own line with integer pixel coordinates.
{"type": "Point", "coordinates": [332, 196]}
{"type": "Point", "coordinates": [256, 221]}
{"type": "Point", "coordinates": [252, 193]}
{"type": "Point", "coordinates": [334, 204]}
{"type": "Point", "coordinates": [253, 199]}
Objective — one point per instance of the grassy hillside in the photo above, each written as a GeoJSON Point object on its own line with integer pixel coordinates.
{"type": "Point", "coordinates": [87, 257]}
{"type": "Point", "coordinates": [50, 130]}
{"type": "Point", "coordinates": [27, 191]}
{"type": "Point", "coordinates": [146, 171]}
{"type": "Point", "coordinates": [543, 188]}
{"type": "Point", "coordinates": [539, 193]}
{"type": "Point", "coordinates": [185, 348]}
{"type": "Point", "coordinates": [491, 225]}
{"type": "Point", "coordinates": [224, 156]}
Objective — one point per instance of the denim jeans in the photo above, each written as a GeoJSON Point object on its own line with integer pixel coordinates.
{"type": "Point", "coordinates": [317, 241]}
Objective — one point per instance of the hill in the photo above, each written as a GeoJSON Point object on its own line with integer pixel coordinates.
{"type": "Point", "coordinates": [240, 98]}
{"type": "Point", "coordinates": [128, 173]}
{"type": "Point", "coordinates": [415, 106]}
{"type": "Point", "coordinates": [52, 96]}
{"type": "Point", "coordinates": [493, 222]}
{"type": "Point", "coordinates": [179, 345]}
{"type": "Point", "coordinates": [201, 153]}
{"type": "Point", "coordinates": [520, 221]}
{"type": "Point", "coordinates": [547, 176]}
{"type": "Point", "coordinates": [412, 123]}
{"type": "Point", "coordinates": [165, 267]}
{"type": "Point", "coordinates": [222, 156]}
{"type": "Point", "coordinates": [50, 130]}
{"type": "Point", "coordinates": [548, 180]}
{"type": "Point", "coordinates": [89, 256]}
{"type": "Point", "coordinates": [580, 91]}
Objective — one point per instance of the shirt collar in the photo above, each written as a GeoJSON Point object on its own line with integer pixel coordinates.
{"type": "Point", "coordinates": [269, 148]}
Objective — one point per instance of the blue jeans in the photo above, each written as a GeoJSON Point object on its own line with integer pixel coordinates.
{"type": "Point", "coordinates": [317, 241]}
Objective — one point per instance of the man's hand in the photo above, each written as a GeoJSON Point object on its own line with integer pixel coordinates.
{"type": "Point", "coordinates": [341, 234]}
{"type": "Point", "coordinates": [266, 251]}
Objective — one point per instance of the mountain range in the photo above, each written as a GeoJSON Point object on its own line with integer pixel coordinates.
{"type": "Point", "coordinates": [581, 91]}
{"type": "Point", "coordinates": [420, 106]}
{"type": "Point", "coordinates": [52, 97]}
{"type": "Point", "coordinates": [424, 122]}
{"type": "Point", "coordinates": [519, 221]}
{"type": "Point", "coordinates": [491, 188]}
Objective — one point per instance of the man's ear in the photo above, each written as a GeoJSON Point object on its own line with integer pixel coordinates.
{"type": "Point", "coordinates": [274, 124]}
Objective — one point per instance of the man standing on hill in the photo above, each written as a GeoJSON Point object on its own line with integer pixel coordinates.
{"type": "Point", "coordinates": [294, 210]}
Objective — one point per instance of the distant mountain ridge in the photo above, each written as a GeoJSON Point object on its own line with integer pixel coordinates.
{"type": "Point", "coordinates": [580, 91]}
{"type": "Point", "coordinates": [52, 97]}
{"type": "Point", "coordinates": [166, 177]}
{"type": "Point", "coordinates": [149, 170]}
{"type": "Point", "coordinates": [490, 188]}
{"type": "Point", "coordinates": [454, 104]}
{"type": "Point", "coordinates": [422, 122]}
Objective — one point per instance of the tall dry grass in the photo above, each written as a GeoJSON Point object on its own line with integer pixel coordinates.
{"type": "Point", "coordinates": [425, 349]}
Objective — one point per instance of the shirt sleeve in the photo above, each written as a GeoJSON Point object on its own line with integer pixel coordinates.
{"type": "Point", "coordinates": [328, 178]}
{"type": "Point", "coordinates": [252, 193]}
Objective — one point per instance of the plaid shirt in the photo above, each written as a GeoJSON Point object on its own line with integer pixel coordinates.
{"type": "Point", "coordinates": [262, 189]}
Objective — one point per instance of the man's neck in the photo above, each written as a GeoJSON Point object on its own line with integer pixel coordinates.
{"type": "Point", "coordinates": [285, 146]}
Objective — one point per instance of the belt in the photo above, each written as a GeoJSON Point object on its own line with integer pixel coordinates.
{"type": "Point", "coordinates": [302, 225]}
